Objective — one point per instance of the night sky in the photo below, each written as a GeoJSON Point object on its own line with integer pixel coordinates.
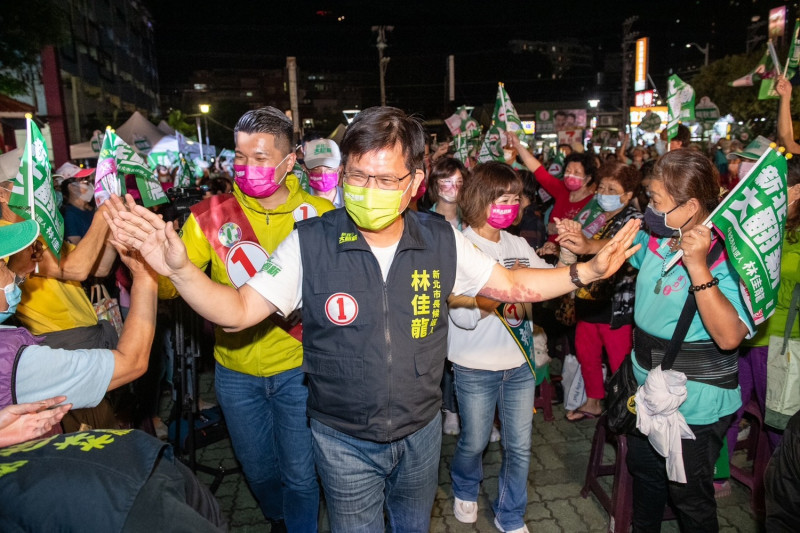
{"type": "Point", "coordinates": [253, 34]}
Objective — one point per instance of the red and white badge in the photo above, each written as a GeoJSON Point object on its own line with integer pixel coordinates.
{"type": "Point", "coordinates": [341, 308]}
{"type": "Point", "coordinates": [304, 211]}
{"type": "Point", "coordinates": [244, 259]}
{"type": "Point", "coordinates": [514, 314]}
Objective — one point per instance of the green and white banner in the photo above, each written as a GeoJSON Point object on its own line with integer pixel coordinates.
{"type": "Point", "coordinates": [32, 193]}
{"type": "Point", "coordinates": [504, 120]}
{"type": "Point", "coordinates": [752, 218]}
{"type": "Point", "coordinates": [129, 162]}
{"type": "Point", "coordinates": [107, 180]}
{"type": "Point", "coordinates": [680, 99]}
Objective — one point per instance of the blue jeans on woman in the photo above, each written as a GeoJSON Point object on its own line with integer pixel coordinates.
{"type": "Point", "coordinates": [267, 422]}
{"type": "Point", "coordinates": [478, 392]}
{"type": "Point", "coordinates": [362, 478]}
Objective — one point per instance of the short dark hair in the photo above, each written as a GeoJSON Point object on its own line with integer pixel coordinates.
{"type": "Point", "coordinates": [683, 135]}
{"type": "Point", "coordinates": [267, 120]}
{"type": "Point", "coordinates": [626, 175]}
{"type": "Point", "coordinates": [587, 162]}
{"type": "Point", "coordinates": [488, 182]}
{"type": "Point", "coordinates": [381, 128]}
{"type": "Point", "coordinates": [688, 174]}
{"type": "Point", "coordinates": [443, 168]}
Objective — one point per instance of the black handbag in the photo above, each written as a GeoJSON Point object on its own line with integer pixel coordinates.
{"type": "Point", "coordinates": [621, 388]}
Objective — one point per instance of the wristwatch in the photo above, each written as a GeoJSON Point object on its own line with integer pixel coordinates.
{"type": "Point", "coordinates": [573, 276]}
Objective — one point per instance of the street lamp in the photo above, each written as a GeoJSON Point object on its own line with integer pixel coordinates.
{"type": "Point", "coordinates": [204, 109]}
{"type": "Point", "coordinates": [701, 48]}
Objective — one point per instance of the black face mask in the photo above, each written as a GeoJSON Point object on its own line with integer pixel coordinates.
{"type": "Point", "coordinates": [657, 222]}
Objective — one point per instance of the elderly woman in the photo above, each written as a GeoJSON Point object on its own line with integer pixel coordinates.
{"type": "Point", "coordinates": [683, 190]}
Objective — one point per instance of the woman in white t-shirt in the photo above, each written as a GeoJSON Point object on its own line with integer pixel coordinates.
{"type": "Point", "coordinates": [487, 355]}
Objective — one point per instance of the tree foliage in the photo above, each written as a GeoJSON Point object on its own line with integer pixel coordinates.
{"type": "Point", "coordinates": [25, 29]}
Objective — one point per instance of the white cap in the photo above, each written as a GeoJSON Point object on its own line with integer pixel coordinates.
{"type": "Point", "coordinates": [322, 153]}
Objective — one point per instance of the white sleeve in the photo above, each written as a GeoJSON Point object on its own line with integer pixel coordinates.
{"type": "Point", "coordinates": [82, 376]}
{"type": "Point", "coordinates": [465, 317]}
{"type": "Point", "coordinates": [536, 261]}
{"type": "Point", "coordinates": [280, 279]}
{"type": "Point", "coordinates": [473, 267]}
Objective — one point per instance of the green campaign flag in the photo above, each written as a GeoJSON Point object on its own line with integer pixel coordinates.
{"type": "Point", "coordinates": [107, 180]}
{"type": "Point", "coordinates": [767, 89]}
{"type": "Point", "coordinates": [504, 119]}
{"type": "Point", "coordinates": [129, 162]}
{"type": "Point", "coordinates": [167, 159]}
{"type": "Point", "coordinates": [185, 175]}
{"type": "Point", "coordinates": [761, 70]}
{"type": "Point", "coordinates": [556, 166]}
{"type": "Point", "coordinates": [465, 131]}
{"type": "Point", "coordinates": [32, 194]}
{"type": "Point", "coordinates": [752, 218]}
{"type": "Point", "coordinates": [793, 61]}
{"type": "Point", "coordinates": [680, 99]}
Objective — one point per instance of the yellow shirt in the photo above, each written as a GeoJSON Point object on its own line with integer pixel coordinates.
{"type": "Point", "coordinates": [264, 349]}
{"type": "Point", "coordinates": [49, 304]}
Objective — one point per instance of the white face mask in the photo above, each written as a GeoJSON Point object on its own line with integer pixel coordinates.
{"type": "Point", "coordinates": [86, 193]}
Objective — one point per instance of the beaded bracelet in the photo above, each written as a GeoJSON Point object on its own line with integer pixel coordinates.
{"type": "Point", "coordinates": [703, 286]}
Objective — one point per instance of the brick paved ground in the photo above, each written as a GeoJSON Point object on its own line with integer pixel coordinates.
{"type": "Point", "coordinates": [558, 466]}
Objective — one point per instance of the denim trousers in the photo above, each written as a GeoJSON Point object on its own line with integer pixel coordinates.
{"type": "Point", "coordinates": [267, 422]}
{"type": "Point", "coordinates": [694, 500]}
{"type": "Point", "coordinates": [478, 392]}
{"type": "Point", "coordinates": [362, 478]}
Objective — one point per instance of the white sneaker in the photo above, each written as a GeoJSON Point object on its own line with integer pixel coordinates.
{"type": "Point", "coordinates": [495, 436]}
{"type": "Point", "coordinates": [466, 512]}
{"type": "Point", "coordinates": [523, 529]}
{"type": "Point", "coordinates": [452, 425]}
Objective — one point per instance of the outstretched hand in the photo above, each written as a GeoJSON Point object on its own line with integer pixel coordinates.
{"type": "Point", "coordinates": [26, 421]}
{"type": "Point", "coordinates": [570, 236]}
{"type": "Point", "coordinates": [611, 257]}
{"type": "Point", "coordinates": [135, 227]}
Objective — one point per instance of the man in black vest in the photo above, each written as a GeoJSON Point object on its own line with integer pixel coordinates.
{"type": "Point", "coordinates": [373, 280]}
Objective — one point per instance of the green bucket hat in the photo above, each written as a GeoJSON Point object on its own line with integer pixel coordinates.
{"type": "Point", "coordinates": [17, 236]}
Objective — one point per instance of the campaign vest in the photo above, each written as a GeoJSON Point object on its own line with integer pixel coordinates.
{"type": "Point", "coordinates": [12, 342]}
{"type": "Point", "coordinates": [85, 481]}
{"type": "Point", "coordinates": [373, 351]}
{"type": "Point", "coordinates": [233, 238]}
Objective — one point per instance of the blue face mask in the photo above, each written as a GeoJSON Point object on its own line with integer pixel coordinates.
{"type": "Point", "coordinates": [13, 296]}
{"type": "Point", "coordinates": [609, 202]}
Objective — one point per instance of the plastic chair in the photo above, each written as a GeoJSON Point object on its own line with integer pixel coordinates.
{"type": "Point", "coordinates": [618, 504]}
{"type": "Point", "coordinates": [758, 451]}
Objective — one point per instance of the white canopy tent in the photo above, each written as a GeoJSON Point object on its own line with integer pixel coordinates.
{"type": "Point", "coordinates": [140, 133]}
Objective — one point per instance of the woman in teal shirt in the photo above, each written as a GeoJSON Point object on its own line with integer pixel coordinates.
{"type": "Point", "coordinates": [683, 190]}
{"type": "Point", "coordinates": [753, 364]}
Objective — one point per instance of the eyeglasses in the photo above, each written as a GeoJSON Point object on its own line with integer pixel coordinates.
{"type": "Point", "coordinates": [385, 182]}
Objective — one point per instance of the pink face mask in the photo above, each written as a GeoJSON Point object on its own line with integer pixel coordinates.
{"type": "Point", "coordinates": [323, 182]}
{"type": "Point", "coordinates": [573, 183]}
{"type": "Point", "coordinates": [257, 182]}
{"type": "Point", "coordinates": [501, 216]}
{"type": "Point", "coordinates": [448, 190]}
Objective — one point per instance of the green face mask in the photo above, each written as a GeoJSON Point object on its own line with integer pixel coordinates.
{"type": "Point", "coordinates": [372, 209]}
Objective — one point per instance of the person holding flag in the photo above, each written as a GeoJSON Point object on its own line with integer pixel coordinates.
{"type": "Point", "coordinates": [684, 190]}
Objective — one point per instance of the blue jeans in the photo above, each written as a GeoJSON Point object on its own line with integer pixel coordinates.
{"type": "Point", "coordinates": [478, 392]}
{"type": "Point", "coordinates": [360, 477]}
{"type": "Point", "coordinates": [267, 421]}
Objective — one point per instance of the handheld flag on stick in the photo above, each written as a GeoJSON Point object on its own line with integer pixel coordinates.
{"type": "Point", "coordinates": [680, 98]}
{"type": "Point", "coordinates": [767, 89]}
{"type": "Point", "coordinates": [763, 70]}
{"type": "Point", "coordinates": [129, 162]}
{"type": "Point", "coordinates": [465, 130]}
{"type": "Point", "coordinates": [107, 181]}
{"type": "Point", "coordinates": [751, 219]}
{"type": "Point", "coordinates": [793, 61]}
{"type": "Point", "coordinates": [504, 120]}
{"type": "Point", "coordinates": [32, 195]}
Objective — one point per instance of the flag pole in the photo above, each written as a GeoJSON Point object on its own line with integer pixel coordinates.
{"type": "Point", "coordinates": [501, 88]}
{"type": "Point", "coordinates": [776, 62]}
{"type": "Point", "coordinates": [707, 221]}
{"type": "Point", "coordinates": [29, 177]}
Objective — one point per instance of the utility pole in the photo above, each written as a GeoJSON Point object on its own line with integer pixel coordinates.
{"type": "Point", "coordinates": [628, 41]}
{"type": "Point", "coordinates": [383, 62]}
{"type": "Point", "coordinates": [291, 66]}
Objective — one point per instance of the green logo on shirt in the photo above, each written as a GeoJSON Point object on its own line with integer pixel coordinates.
{"type": "Point", "coordinates": [347, 237]}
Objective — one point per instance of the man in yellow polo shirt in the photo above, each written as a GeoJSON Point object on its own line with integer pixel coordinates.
{"type": "Point", "coordinates": [259, 383]}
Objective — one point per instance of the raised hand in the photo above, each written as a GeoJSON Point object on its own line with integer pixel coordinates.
{"type": "Point", "coordinates": [135, 227]}
{"type": "Point", "coordinates": [27, 421]}
{"type": "Point", "coordinates": [571, 237]}
{"type": "Point", "coordinates": [695, 244]}
{"type": "Point", "coordinates": [611, 257]}
{"type": "Point", "coordinates": [783, 87]}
